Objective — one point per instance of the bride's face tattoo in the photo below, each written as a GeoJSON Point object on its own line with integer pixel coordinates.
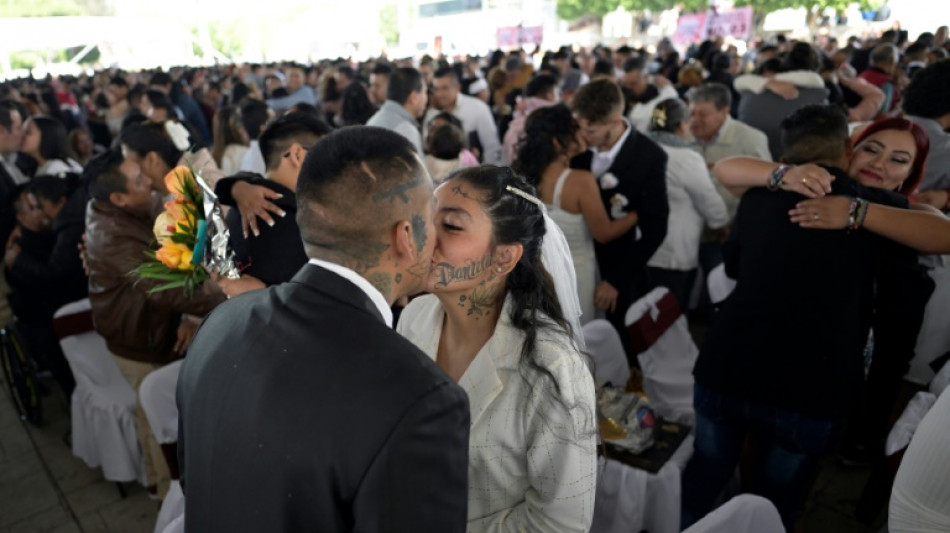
{"type": "Point", "coordinates": [463, 260]}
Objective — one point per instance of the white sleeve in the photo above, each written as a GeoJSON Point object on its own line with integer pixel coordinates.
{"type": "Point", "coordinates": [667, 92]}
{"type": "Point", "coordinates": [561, 457]}
{"type": "Point", "coordinates": [702, 193]}
{"type": "Point", "coordinates": [488, 135]}
{"type": "Point", "coordinates": [750, 82]}
{"type": "Point", "coordinates": [802, 78]}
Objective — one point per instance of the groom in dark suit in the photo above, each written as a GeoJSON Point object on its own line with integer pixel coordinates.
{"type": "Point", "coordinates": [300, 408]}
{"type": "Point", "coordinates": [631, 171]}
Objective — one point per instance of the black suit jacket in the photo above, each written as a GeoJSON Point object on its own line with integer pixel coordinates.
{"type": "Point", "coordinates": [7, 214]}
{"type": "Point", "coordinates": [793, 332]}
{"type": "Point", "coordinates": [640, 167]}
{"type": "Point", "coordinates": [300, 410]}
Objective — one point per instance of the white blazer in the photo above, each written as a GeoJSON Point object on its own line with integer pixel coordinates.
{"type": "Point", "coordinates": [532, 463]}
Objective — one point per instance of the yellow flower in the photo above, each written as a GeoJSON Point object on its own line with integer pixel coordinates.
{"type": "Point", "coordinates": [175, 179]}
{"type": "Point", "coordinates": [174, 255]}
{"type": "Point", "coordinates": [164, 226]}
{"type": "Point", "coordinates": [186, 257]}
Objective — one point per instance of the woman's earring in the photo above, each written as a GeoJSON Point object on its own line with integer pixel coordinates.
{"type": "Point", "coordinates": [498, 269]}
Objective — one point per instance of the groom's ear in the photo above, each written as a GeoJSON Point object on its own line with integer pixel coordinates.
{"type": "Point", "coordinates": [403, 245]}
{"type": "Point", "coordinates": [506, 258]}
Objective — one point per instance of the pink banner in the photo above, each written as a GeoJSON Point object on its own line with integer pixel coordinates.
{"type": "Point", "coordinates": [518, 35]}
{"type": "Point", "coordinates": [690, 29]}
{"type": "Point", "coordinates": [731, 23]}
{"type": "Point", "coordinates": [698, 27]}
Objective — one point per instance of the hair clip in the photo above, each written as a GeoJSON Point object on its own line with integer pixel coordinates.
{"type": "Point", "coordinates": [525, 195]}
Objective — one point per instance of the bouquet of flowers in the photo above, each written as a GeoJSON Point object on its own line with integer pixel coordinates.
{"type": "Point", "coordinates": [191, 235]}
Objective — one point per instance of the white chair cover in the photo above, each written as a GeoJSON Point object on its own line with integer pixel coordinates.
{"type": "Point", "coordinates": [619, 504]}
{"type": "Point", "coordinates": [157, 397]}
{"type": "Point", "coordinates": [745, 513]}
{"type": "Point", "coordinates": [603, 344]}
{"type": "Point", "coordinates": [920, 498]}
{"type": "Point", "coordinates": [719, 284]}
{"type": "Point", "coordinates": [630, 499]}
{"type": "Point", "coordinates": [668, 363]}
{"type": "Point", "coordinates": [941, 381]}
{"type": "Point", "coordinates": [176, 526]}
{"type": "Point", "coordinates": [905, 427]}
{"type": "Point", "coordinates": [103, 405]}
{"type": "Point", "coordinates": [171, 517]}
{"type": "Point", "coordinates": [934, 338]}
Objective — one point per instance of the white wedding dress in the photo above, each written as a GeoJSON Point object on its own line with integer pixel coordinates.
{"type": "Point", "coordinates": [581, 243]}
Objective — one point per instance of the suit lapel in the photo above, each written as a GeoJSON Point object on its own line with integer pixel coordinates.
{"type": "Point", "coordinates": [334, 286]}
{"type": "Point", "coordinates": [481, 381]}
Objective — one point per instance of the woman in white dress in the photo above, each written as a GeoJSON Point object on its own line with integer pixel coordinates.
{"type": "Point", "coordinates": [494, 324]}
{"type": "Point", "coordinates": [573, 197]}
{"type": "Point", "coordinates": [44, 140]}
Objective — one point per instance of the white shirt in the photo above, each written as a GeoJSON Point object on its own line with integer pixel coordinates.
{"type": "Point", "coordinates": [693, 199]}
{"type": "Point", "coordinates": [231, 158]}
{"type": "Point", "coordinates": [58, 167]}
{"type": "Point", "coordinates": [475, 116]}
{"type": "Point", "coordinates": [602, 161]}
{"type": "Point", "coordinates": [641, 114]}
{"type": "Point", "coordinates": [374, 295]}
{"type": "Point", "coordinates": [253, 160]}
{"type": "Point", "coordinates": [9, 163]}
{"type": "Point", "coordinates": [532, 463]}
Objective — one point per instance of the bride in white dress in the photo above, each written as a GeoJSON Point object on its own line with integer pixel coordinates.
{"type": "Point", "coordinates": [495, 323]}
{"type": "Point", "coordinates": [573, 196]}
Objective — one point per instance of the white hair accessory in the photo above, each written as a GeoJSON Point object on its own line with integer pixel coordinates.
{"type": "Point", "coordinates": [557, 260]}
{"type": "Point", "coordinates": [179, 135]}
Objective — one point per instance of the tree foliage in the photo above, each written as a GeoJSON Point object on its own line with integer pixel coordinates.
{"type": "Point", "coordinates": [574, 9]}
{"type": "Point", "coordinates": [389, 24]}
{"type": "Point", "coordinates": [54, 8]}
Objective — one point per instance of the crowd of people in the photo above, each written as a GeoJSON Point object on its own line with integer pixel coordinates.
{"type": "Point", "coordinates": [479, 212]}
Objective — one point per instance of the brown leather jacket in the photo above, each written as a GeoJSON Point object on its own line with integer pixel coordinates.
{"type": "Point", "coordinates": [136, 325]}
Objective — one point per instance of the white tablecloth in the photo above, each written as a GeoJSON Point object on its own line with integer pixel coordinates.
{"type": "Point", "coordinates": [630, 500]}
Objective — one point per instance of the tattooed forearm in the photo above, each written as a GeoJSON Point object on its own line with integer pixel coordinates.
{"type": "Point", "coordinates": [447, 273]}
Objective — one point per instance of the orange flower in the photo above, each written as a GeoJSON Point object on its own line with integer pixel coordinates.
{"type": "Point", "coordinates": [175, 255]}
{"type": "Point", "coordinates": [182, 220]}
{"type": "Point", "coordinates": [175, 179]}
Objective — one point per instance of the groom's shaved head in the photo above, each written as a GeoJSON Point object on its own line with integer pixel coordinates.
{"type": "Point", "coordinates": [354, 185]}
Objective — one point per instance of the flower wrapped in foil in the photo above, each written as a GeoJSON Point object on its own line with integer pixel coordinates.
{"type": "Point", "coordinates": [214, 235]}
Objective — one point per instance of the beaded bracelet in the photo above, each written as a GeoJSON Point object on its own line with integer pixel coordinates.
{"type": "Point", "coordinates": [857, 212]}
{"type": "Point", "coordinates": [775, 180]}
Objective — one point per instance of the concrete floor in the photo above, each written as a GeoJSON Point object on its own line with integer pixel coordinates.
{"type": "Point", "coordinates": [44, 488]}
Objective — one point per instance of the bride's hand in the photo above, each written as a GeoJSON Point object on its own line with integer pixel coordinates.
{"type": "Point", "coordinates": [808, 180]}
{"type": "Point", "coordinates": [830, 212]}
